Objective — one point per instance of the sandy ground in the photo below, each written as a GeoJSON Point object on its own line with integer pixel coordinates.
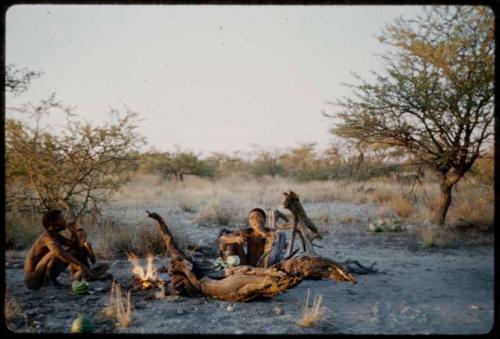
{"type": "Point", "coordinates": [416, 291]}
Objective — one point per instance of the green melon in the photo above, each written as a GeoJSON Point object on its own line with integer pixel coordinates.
{"type": "Point", "coordinates": [80, 287]}
{"type": "Point", "coordinates": [82, 325]}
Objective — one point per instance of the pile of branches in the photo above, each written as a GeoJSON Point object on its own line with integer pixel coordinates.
{"type": "Point", "coordinates": [245, 283]}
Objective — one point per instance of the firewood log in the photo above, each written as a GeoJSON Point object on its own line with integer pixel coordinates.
{"type": "Point", "coordinates": [244, 283]}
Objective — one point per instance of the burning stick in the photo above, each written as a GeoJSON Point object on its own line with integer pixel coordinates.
{"type": "Point", "coordinates": [143, 279]}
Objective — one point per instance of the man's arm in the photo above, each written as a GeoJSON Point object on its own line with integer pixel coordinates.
{"type": "Point", "coordinates": [55, 247]}
{"type": "Point", "coordinates": [235, 237]}
{"type": "Point", "coordinates": [88, 246]}
{"type": "Point", "coordinates": [65, 241]}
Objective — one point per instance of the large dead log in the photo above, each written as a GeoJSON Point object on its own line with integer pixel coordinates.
{"type": "Point", "coordinates": [293, 204]}
{"type": "Point", "coordinates": [184, 273]}
{"type": "Point", "coordinates": [301, 223]}
{"type": "Point", "coordinates": [244, 283]}
{"type": "Point", "coordinates": [314, 267]}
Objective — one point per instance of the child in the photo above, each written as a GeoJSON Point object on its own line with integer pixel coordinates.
{"type": "Point", "coordinates": [84, 253]}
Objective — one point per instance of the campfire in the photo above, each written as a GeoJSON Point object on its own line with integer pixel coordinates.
{"type": "Point", "coordinates": [143, 279]}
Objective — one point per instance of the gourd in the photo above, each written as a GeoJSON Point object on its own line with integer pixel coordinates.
{"type": "Point", "coordinates": [82, 324]}
{"type": "Point", "coordinates": [80, 287]}
{"type": "Point", "coordinates": [233, 260]}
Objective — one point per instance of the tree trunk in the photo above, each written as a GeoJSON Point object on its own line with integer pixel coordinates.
{"type": "Point", "coordinates": [444, 203]}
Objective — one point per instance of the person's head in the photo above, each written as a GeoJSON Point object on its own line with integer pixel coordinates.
{"type": "Point", "coordinates": [82, 235]}
{"type": "Point", "coordinates": [54, 220]}
{"type": "Point", "coordinates": [257, 216]}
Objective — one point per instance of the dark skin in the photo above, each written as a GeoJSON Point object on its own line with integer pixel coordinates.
{"type": "Point", "coordinates": [50, 254]}
{"type": "Point", "coordinates": [84, 253]}
{"type": "Point", "coordinates": [227, 249]}
{"type": "Point", "coordinates": [256, 237]}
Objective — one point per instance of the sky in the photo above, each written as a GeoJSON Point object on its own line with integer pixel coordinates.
{"type": "Point", "coordinates": [202, 78]}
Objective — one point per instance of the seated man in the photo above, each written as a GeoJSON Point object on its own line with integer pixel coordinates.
{"type": "Point", "coordinates": [51, 253]}
{"type": "Point", "coordinates": [258, 238]}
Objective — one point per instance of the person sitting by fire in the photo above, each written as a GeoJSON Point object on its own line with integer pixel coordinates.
{"type": "Point", "coordinates": [85, 253]}
{"type": "Point", "coordinates": [51, 253]}
{"type": "Point", "coordinates": [259, 241]}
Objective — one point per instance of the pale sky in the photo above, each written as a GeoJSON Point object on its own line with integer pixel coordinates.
{"type": "Point", "coordinates": [206, 78]}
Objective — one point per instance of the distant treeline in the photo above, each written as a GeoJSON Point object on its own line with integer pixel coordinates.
{"type": "Point", "coordinates": [301, 163]}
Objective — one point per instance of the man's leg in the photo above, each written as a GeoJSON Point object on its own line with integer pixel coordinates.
{"type": "Point", "coordinates": [99, 270]}
{"type": "Point", "coordinates": [54, 268]}
{"type": "Point", "coordinates": [75, 271]}
{"type": "Point", "coordinates": [36, 278]}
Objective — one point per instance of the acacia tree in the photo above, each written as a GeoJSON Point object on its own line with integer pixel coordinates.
{"type": "Point", "coordinates": [268, 163]}
{"type": "Point", "coordinates": [304, 163]}
{"type": "Point", "coordinates": [18, 80]}
{"type": "Point", "coordinates": [75, 168]}
{"type": "Point", "coordinates": [180, 163]}
{"type": "Point", "coordinates": [435, 98]}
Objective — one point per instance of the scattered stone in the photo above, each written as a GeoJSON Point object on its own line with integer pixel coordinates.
{"type": "Point", "coordinates": [475, 307]}
{"type": "Point", "coordinates": [278, 310]}
{"type": "Point", "coordinates": [230, 308]}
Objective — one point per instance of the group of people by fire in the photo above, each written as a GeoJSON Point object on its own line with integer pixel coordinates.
{"type": "Point", "coordinates": [52, 252]}
{"type": "Point", "coordinates": [256, 257]}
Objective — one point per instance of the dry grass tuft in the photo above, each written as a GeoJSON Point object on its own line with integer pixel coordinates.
{"type": "Point", "coordinates": [434, 236]}
{"type": "Point", "coordinates": [473, 207]}
{"type": "Point", "coordinates": [120, 308]}
{"type": "Point", "coordinates": [320, 216]}
{"type": "Point", "coordinates": [346, 219]}
{"type": "Point", "coordinates": [382, 196]}
{"type": "Point", "coordinates": [311, 314]}
{"type": "Point", "coordinates": [402, 207]}
{"type": "Point", "coordinates": [110, 238]}
{"type": "Point", "coordinates": [12, 309]}
{"type": "Point", "coordinates": [148, 240]}
{"type": "Point", "coordinates": [14, 314]}
{"type": "Point", "coordinates": [218, 212]}
{"type": "Point", "coordinates": [21, 229]}
{"type": "Point", "coordinates": [186, 202]}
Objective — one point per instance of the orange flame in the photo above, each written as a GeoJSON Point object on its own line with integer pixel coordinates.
{"type": "Point", "coordinates": [147, 276]}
